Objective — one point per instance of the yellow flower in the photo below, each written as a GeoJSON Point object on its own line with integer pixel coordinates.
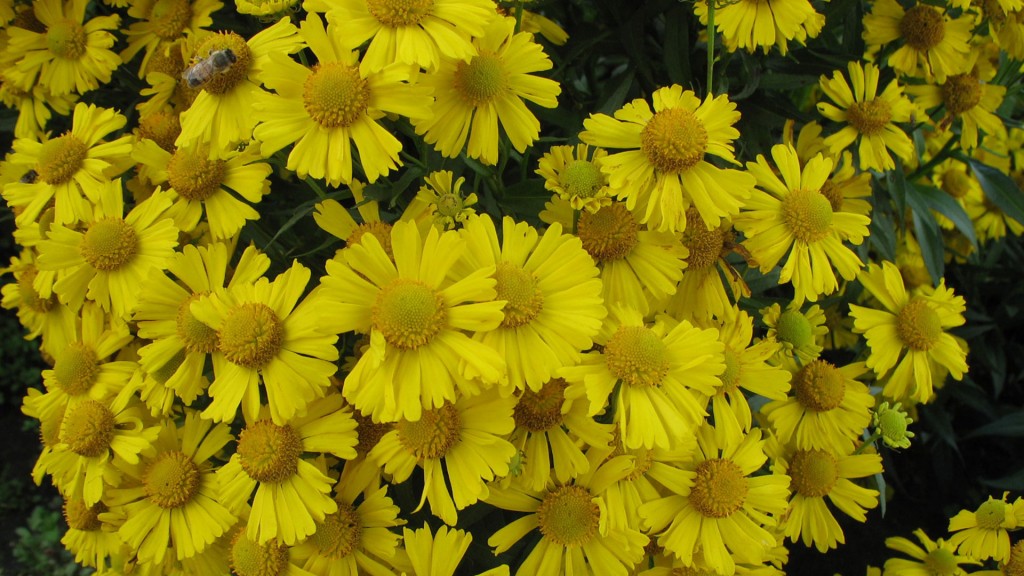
{"type": "Point", "coordinates": [868, 116]}
{"type": "Point", "coordinates": [792, 218]}
{"type": "Point", "coordinates": [416, 316]}
{"type": "Point", "coordinates": [44, 318]}
{"type": "Point", "coordinates": [574, 173]}
{"type": "Point", "coordinates": [931, 43]}
{"type": "Point", "coordinates": [89, 538]}
{"type": "Point", "coordinates": [443, 201]}
{"type": "Point", "coordinates": [439, 554]}
{"type": "Point", "coordinates": [928, 558]}
{"type": "Point", "coordinates": [982, 534]}
{"type": "Point", "coordinates": [161, 23]}
{"type": "Point", "coordinates": [33, 105]}
{"type": "Point", "coordinates": [292, 494]}
{"type": "Point", "coordinates": [337, 103]}
{"type": "Point", "coordinates": [909, 333]}
{"type": "Point", "coordinates": [751, 24]}
{"type": "Point", "coordinates": [662, 171]}
{"type": "Point", "coordinates": [798, 333]}
{"type": "Point", "coordinates": [966, 98]}
{"type": "Point", "coordinates": [710, 284]}
{"type": "Point", "coordinates": [477, 95]}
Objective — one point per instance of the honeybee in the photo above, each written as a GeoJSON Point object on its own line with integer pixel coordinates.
{"type": "Point", "coordinates": [29, 177]}
{"type": "Point", "coordinates": [217, 62]}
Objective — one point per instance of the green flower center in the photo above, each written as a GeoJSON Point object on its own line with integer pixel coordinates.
{"type": "Point", "coordinates": [892, 425]}
{"type": "Point", "coordinates": [196, 336]}
{"type": "Point", "coordinates": [335, 95]}
{"type": "Point", "coordinates": [170, 17]}
{"type": "Point", "coordinates": [172, 480]}
{"type": "Point", "coordinates": [808, 215]}
{"type": "Point", "coordinates": [733, 368]}
{"type": "Point", "coordinates": [637, 356]}
{"type": "Point", "coordinates": [60, 158]}
{"type": "Point", "coordinates": [524, 300]}
{"type": "Point", "coordinates": [339, 534]}
{"type": "Point", "coordinates": [248, 558]}
{"type": "Point", "coordinates": [82, 517]}
{"type": "Point", "coordinates": [569, 516]}
{"type": "Point", "coordinates": [541, 410]}
{"type": "Point", "coordinates": [991, 514]}
{"type": "Point", "coordinates": [109, 244]}
{"type": "Point", "coordinates": [961, 93]}
{"type": "Point", "coordinates": [66, 39]}
{"type": "Point", "coordinates": [88, 428]}
{"type": "Point", "coordinates": [430, 437]}
{"type": "Point", "coordinates": [76, 369]}
{"type": "Point", "coordinates": [397, 13]}
{"type": "Point", "coordinates": [226, 80]}
{"type": "Point", "coordinates": [194, 175]}
{"type": "Point", "coordinates": [956, 183]}
{"type": "Point", "coordinates": [795, 329]}
{"type": "Point", "coordinates": [813, 473]}
{"type": "Point", "coordinates": [251, 335]}
{"type": "Point", "coordinates": [869, 118]}
{"type": "Point", "coordinates": [409, 313]}
{"type": "Point", "coordinates": [941, 562]}
{"type": "Point", "coordinates": [268, 452]}
{"type": "Point", "coordinates": [819, 386]}
{"type": "Point", "coordinates": [918, 326]}
{"type": "Point", "coordinates": [608, 234]}
{"type": "Point", "coordinates": [481, 80]}
{"type": "Point", "coordinates": [581, 179]}
{"type": "Point", "coordinates": [674, 140]}
{"type": "Point", "coordinates": [719, 489]}
{"type": "Point", "coordinates": [922, 27]}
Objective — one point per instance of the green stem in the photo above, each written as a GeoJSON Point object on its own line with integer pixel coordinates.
{"type": "Point", "coordinates": [934, 161]}
{"type": "Point", "coordinates": [869, 442]}
{"type": "Point", "coordinates": [316, 187]}
{"type": "Point", "coordinates": [406, 157]}
{"type": "Point", "coordinates": [519, 16]}
{"type": "Point", "coordinates": [575, 221]}
{"type": "Point", "coordinates": [711, 45]}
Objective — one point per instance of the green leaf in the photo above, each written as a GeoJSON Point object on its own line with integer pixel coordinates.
{"type": "Point", "coordinates": [926, 229]}
{"type": "Point", "coordinates": [944, 204]}
{"type": "Point", "coordinates": [677, 45]}
{"type": "Point", "coordinates": [883, 236]}
{"type": "Point", "coordinates": [1009, 426]}
{"type": "Point", "coordinates": [1000, 189]}
{"type": "Point", "coordinates": [1013, 482]}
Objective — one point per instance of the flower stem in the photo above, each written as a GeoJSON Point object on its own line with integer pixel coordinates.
{"type": "Point", "coordinates": [711, 46]}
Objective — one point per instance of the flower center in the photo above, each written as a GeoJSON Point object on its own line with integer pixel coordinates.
{"type": "Point", "coordinates": [481, 79]}
{"type": "Point", "coordinates": [674, 140]}
{"type": "Point", "coordinates": [941, 562]}
{"type": "Point", "coordinates": [691, 571]}
{"type": "Point", "coordinates": [643, 458]}
{"type": "Point", "coordinates": [172, 480]}
{"type": "Point", "coordinates": [892, 424]}
{"type": "Point", "coordinates": [88, 428]}
{"type": "Point", "coordinates": [433, 434]}
{"type": "Point", "coordinates": [170, 17]}
{"type": "Point", "coordinates": [956, 183]}
{"type": "Point", "coordinates": [162, 127]}
{"type": "Point", "coordinates": [808, 215]}
{"type": "Point", "coordinates": [340, 533]}
{"type": "Point", "coordinates": [569, 516]}
{"type": "Point", "coordinates": [961, 92]}
{"type": "Point", "coordinates": [922, 27]}
{"type": "Point", "coordinates": [196, 336]}
{"type": "Point", "coordinates": [705, 246]}
{"type": "Point", "coordinates": [719, 489]}
{"type": "Point", "coordinates": [992, 10]}
{"type": "Point", "coordinates": [869, 118]}
{"type": "Point", "coordinates": [268, 452]}
{"type": "Point", "coordinates": [29, 297]}
{"type": "Point", "coordinates": [251, 335]}
{"type": "Point", "coordinates": [82, 517]}
{"type": "Point", "coordinates": [918, 326]}
{"type": "Point", "coordinates": [1015, 565]}
{"type": "Point", "coordinates": [637, 356]}
{"type": "Point", "coordinates": [449, 205]}
{"type": "Point", "coordinates": [379, 230]}
{"type": "Point", "coordinates": [990, 515]}
{"type": "Point", "coordinates": [109, 244]}
{"type": "Point", "coordinates": [795, 329]}
{"type": "Point", "coordinates": [335, 95]}
{"type": "Point", "coordinates": [227, 79]}
{"type": "Point", "coordinates": [581, 179]}
{"type": "Point", "coordinates": [608, 234]}
{"type": "Point", "coordinates": [541, 410]}
{"type": "Point", "coordinates": [518, 288]}
{"type": "Point", "coordinates": [76, 369]}
{"type": "Point", "coordinates": [66, 39]}
{"type": "Point", "coordinates": [409, 313]}
{"type": "Point", "coordinates": [396, 13]}
{"type": "Point", "coordinates": [733, 368]}
{"type": "Point", "coordinates": [369, 432]}
{"type": "Point", "coordinates": [813, 472]}
{"type": "Point", "coordinates": [251, 559]}
{"type": "Point", "coordinates": [819, 386]}
{"type": "Point", "coordinates": [194, 175]}
{"type": "Point", "coordinates": [60, 158]}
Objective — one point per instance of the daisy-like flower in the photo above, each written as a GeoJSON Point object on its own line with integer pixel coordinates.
{"type": "Point", "coordinates": [324, 110]}
{"type": "Point", "coordinates": [964, 97]}
{"type": "Point", "coordinates": [415, 314]}
{"type": "Point", "coordinates": [462, 441]}
{"type": "Point", "coordinates": [356, 539]}
{"type": "Point", "coordinates": [70, 54]}
{"type": "Point", "coordinates": [221, 115]}
{"type": "Point", "coordinates": [574, 173]}
{"type": "Point", "coordinates": [199, 181]}
{"type": "Point", "coordinates": [33, 105]}
{"type": "Point", "coordinates": [719, 506]}
{"type": "Point", "coordinates": [553, 307]}
{"type": "Point", "coordinates": [439, 554]}
{"type": "Point", "coordinates": [477, 95]}
{"type": "Point", "coordinates": [817, 475]}
{"type": "Point", "coordinates": [180, 344]}
{"type": "Point", "coordinates": [828, 411]}
{"type": "Point", "coordinates": [162, 22]}
{"type": "Point", "coordinates": [655, 370]}
{"type": "Point", "coordinates": [575, 535]}
{"type": "Point", "coordinates": [710, 285]}
{"type": "Point", "coordinates": [443, 201]}
{"type": "Point", "coordinates": [867, 116]}
{"type": "Point", "coordinates": [73, 170]}
{"type": "Point", "coordinates": [547, 429]}
{"type": "Point", "coordinates": [639, 267]}
{"type": "Point", "coordinates": [174, 502]}
{"type": "Point", "coordinates": [790, 218]}
{"type": "Point", "coordinates": [798, 333]}
{"type": "Point", "coordinates": [88, 537]}
{"type": "Point", "coordinates": [420, 33]}
{"type": "Point", "coordinates": [752, 24]}
{"type": "Point", "coordinates": [292, 494]}
{"type": "Point", "coordinates": [932, 44]}
{"type": "Point", "coordinates": [44, 318]}
{"type": "Point", "coordinates": [982, 534]}
{"type": "Point", "coordinates": [334, 219]}
{"type": "Point", "coordinates": [930, 557]}
{"type": "Point", "coordinates": [265, 333]}
{"type": "Point", "coordinates": [909, 333]}
{"type": "Point", "coordinates": [890, 425]}
{"type": "Point", "coordinates": [662, 170]}
{"type": "Point", "coordinates": [247, 557]}
{"type": "Point", "coordinates": [109, 260]}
